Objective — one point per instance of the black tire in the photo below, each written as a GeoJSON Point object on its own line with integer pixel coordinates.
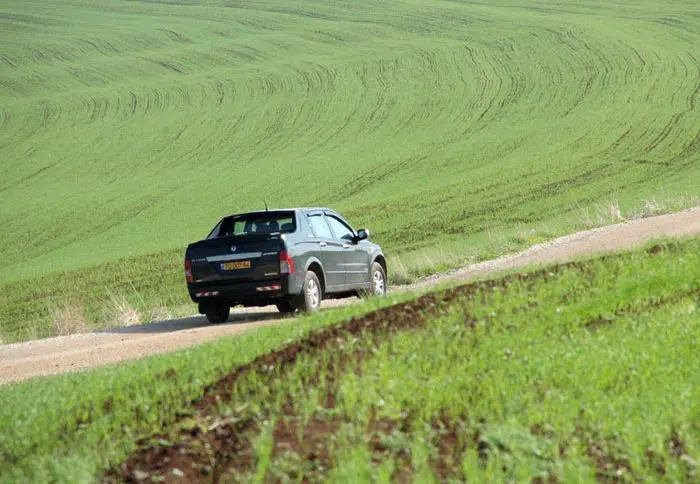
{"type": "Point", "coordinates": [312, 293]}
{"type": "Point", "coordinates": [377, 276]}
{"type": "Point", "coordinates": [286, 307]}
{"type": "Point", "coordinates": [217, 314]}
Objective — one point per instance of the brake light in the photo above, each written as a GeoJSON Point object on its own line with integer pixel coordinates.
{"type": "Point", "coordinates": [286, 263]}
{"type": "Point", "coordinates": [188, 271]}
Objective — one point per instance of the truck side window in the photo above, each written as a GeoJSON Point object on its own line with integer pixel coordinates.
{"type": "Point", "coordinates": [320, 227]}
{"type": "Point", "coordinates": [341, 230]}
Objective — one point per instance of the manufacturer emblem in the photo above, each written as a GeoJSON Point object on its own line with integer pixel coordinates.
{"type": "Point", "coordinates": [233, 248]}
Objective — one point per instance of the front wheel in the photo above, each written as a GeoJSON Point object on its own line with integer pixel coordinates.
{"type": "Point", "coordinates": [312, 293]}
{"type": "Point", "coordinates": [217, 314]}
{"type": "Point", "coordinates": [378, 279]}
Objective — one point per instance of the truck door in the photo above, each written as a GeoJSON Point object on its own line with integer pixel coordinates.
{"type": "Point", "coordinates": [356, 259]}
{"type": "Point", "coordinates": [331, 251]}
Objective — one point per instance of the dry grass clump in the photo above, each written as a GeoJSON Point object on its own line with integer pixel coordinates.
{"type": "Point", "coordinates": [129, 317]}
{"type": "Point", "coordinates": [614, 212]}
{"type": "Point", "coordinates": [120, 312]}
{"type": "Point", "coordinates": [602, 214]}
{"type": "Point", "coordinates": [399, 273]}
{"type": "Point", "coordinates": [68, 318]}
{"type": "Point", "coordinates": [610, 213]}
{"type": "Point", "coordinates": [653, 207]}
{"type": "Point", "coordinates": [160, 313]}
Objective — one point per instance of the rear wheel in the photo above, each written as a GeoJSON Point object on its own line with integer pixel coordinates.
{"type": "Point", "coordinates": [312, 293]}
{"type": "Point", "coordinates": [286, 307]}
{"type": "Point", "coordinates": [217, 314]}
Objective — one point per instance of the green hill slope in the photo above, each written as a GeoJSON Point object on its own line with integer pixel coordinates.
{"type": "Point", "coordinates": [582, 372]}
{"type": "Point", "coordinates": [128, 127]}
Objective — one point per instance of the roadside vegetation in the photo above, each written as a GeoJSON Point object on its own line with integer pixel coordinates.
{"type": "Point", "coordinates": [124, 292]}
{"type": "Point", "coordinates": [453, 130]}
{"type": "Point", "coordinates": [139, 290]}
{"type": "Point", "coordinates": [583, 371]}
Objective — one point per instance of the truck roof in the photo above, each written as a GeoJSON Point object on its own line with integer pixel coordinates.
{"type": "Point", "coordinates": [301, 209]}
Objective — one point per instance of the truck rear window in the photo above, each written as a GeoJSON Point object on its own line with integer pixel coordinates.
{"type": "Point", "coordinates": [255, 223]}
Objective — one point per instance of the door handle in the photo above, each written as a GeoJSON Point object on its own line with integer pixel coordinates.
{"type": "Point", "coordinates": [322, 244]}
{"type": "Point", "coordinates": [346, 246]}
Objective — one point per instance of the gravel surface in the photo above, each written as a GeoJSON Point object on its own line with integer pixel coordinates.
{"type": "Point", "coordinates": [79, 352]}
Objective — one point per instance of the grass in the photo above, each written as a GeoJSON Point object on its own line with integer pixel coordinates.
{"type": "Point", "coordinates": [586, 371]}
{"type": "Point", "coordinates": [68, 434]}
{"type": "Point", "coordinates": [130, 127]}
{"type": "Point", "coordinates": [138, 289]}
{"type": "Point", "coordinates": [68, 318]}
{"type": "Point", "coordinates": [524, 390]}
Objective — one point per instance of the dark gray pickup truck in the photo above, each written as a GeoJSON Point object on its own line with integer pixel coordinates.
{"type": "Point", "coordinates": [292, 258]}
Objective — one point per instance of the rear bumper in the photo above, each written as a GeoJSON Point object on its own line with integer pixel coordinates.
{"type": "Point", "coordinates": [260, 293]}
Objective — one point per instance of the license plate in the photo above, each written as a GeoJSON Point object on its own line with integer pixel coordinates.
{"type": "Point", "coordinates": [235, 266]}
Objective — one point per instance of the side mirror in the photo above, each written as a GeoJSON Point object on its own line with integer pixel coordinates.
{"type": "Point", "coordinates": [362, 234]}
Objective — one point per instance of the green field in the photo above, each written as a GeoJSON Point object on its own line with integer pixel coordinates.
{"type": "Point", "coordinates": [127, 128]}
{"type": "Point", "coordinates": [574, 373]}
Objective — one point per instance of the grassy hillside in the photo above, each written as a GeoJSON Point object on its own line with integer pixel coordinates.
{"type": "Point", "coordinates": [580, 372]}
{"type": "Point", "coordinates": [127, 128]}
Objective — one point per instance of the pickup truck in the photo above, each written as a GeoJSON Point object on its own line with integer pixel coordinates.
{"type": "Point", "coordinates": [292, 258]}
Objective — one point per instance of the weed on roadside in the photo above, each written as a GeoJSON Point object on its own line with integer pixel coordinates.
{"type": "Point", "coordinates": [68, 318]}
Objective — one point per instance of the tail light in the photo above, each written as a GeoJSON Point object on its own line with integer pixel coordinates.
{"type": "Point", "coordinates": [188, 271]}
{"type": "Point", "coordinates": [286, 263]}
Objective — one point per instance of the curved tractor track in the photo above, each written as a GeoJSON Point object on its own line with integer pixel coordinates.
{"type": "Point", "coordinates": [79, 352]}
{"type": "Point", "coordinates": [452, 94]}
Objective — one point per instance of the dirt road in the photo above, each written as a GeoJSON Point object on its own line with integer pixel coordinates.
{"type": "Point", "coordinates": [79, 352]}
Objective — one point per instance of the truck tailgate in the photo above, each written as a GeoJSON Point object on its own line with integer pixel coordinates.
{"type": "Point", "coordinates": [236, 258]}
